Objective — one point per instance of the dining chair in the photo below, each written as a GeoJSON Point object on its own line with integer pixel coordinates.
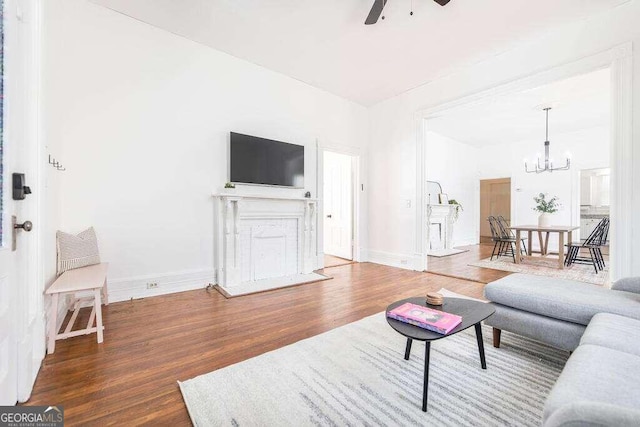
{"type": "Point", "coordinates": [594, 244]}
{"type": "Point", "coordinates": [507, 232]}
{"type": "Point", "coordinates": [503, 241]}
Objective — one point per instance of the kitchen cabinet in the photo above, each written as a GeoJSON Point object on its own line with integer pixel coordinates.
{"type": "Point", "coordinates": [587, 225]}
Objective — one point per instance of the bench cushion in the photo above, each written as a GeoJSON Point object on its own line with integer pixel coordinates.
{"type": "Point", "coordinates": [561, 299]}
{"type": "Point", "coordinates": [596, 376]}
{"type": "Point", "coordinates": [614, 332]}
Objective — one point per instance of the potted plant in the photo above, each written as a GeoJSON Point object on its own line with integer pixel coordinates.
{"type": "Point", "coordinates": [546, 208]}
{"type": "Point", "coordinates": [229, 187]}
{"type": "Point", "coordinates": [458, 207]}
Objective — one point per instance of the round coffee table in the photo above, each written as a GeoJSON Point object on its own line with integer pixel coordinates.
{"type": "Point", "coordinates": [472, 313]}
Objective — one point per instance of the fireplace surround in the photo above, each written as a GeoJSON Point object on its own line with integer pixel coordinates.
{"type": "Point", "coordinates": [259, 239]}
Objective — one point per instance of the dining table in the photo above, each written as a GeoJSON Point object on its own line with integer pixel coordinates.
{"type": "Point", "coordinates": [562, 230]}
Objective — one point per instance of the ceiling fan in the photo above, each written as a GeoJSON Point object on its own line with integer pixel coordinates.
{"type": "Point", "coordinates": [378, 6]}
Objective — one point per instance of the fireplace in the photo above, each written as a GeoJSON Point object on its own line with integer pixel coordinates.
{"type": "Point", "coordinates": [260, 238]}
{"type": "Point", "coordinates": [440, 219]}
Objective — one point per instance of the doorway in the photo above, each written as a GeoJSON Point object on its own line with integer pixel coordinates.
{"type": "Point", "coordinates": [619, 62]}
{"type": "Point", "coordinates": [495, 200]}
{"type": "Point", "coordinates": [338, 209]}
{"type": "Point", "coordinates": [595, 201]}
{"type": "Point", "coordinates": [21, 320]}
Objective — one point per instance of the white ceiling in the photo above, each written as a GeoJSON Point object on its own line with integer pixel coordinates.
{"type": "Point", "coordinates": [326, 44]}
{"type": "Point", "coordinates": [577, 103]}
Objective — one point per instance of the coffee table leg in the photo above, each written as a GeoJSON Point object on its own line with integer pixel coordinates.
{"type": "Point", "coordinates": [483, 361]}
{"type": "Point", "coordinates": [407, 351]}
{"type": "Point", "coordinates": [425, 387]}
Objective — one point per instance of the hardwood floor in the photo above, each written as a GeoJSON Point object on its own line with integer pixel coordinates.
{"type": "Point", "coordinates": [334, 261]}
{"type": "Point", "coordinates": [151, 343]}
{"type": "Point", "coordinates": [458, 265]}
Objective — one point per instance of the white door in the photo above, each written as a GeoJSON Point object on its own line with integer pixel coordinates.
{"type": "Point", "coordinates": [338, 205]}
{"type": "Point", "coordinates": [18, 155]}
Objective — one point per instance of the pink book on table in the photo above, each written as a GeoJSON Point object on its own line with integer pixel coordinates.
{"type": "Point", "coordinates": [424, 317]}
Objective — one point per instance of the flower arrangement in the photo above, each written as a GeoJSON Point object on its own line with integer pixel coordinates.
{"type": "Point", "coordinates": [229, 185]}
{"type": "Point", "coordinates": [546, 206]}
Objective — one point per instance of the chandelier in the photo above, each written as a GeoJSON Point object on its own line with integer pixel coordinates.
{"type": "Point", "coordinates": [548, 163]}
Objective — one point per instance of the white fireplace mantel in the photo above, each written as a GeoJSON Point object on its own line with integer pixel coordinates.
{"type": "Point", "coordinates": [260, 238]}
{"type": "Point", "coordinates": [443, 217]}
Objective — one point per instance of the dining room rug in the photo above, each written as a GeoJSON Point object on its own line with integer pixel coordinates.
{"type": "Point", "coordinates": [547, 267]}
{"type": "Point", "coordinates": [356, 375]}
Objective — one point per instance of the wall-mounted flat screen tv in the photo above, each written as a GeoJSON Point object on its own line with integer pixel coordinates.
{"type": "Point", "coordinates": [263, 161]}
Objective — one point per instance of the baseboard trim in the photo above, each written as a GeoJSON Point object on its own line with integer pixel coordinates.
{"type": "Point", "coordinates": [405, 261]}
{"type": "Point", "coordinates": [136, 287]}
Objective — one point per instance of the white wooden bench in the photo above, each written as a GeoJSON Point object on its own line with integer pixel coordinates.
{"type": "Point", "coordinates": [91, 278]}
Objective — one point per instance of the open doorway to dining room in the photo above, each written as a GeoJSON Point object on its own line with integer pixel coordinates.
{"type": "Point", "coordinates": [492, 159]}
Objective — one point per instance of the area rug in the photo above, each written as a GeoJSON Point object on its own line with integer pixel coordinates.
{"type": "Point", "coordinates": [548, 267]}
{"type": "Point", "coordinates": [356, 375]}
{"type": "Point", "coordinates": [270, 284]}
{"type": "Point", "coordinates": [439, 253]}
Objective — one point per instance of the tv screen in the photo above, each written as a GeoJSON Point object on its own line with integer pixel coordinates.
{"type": "Point", "coordinates": [256, 160]}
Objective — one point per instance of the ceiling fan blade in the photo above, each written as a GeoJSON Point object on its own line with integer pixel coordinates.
{"type": "Point", "coordinates": [442, 2]}
{"type": "Point", "coordinates": [376, 11]}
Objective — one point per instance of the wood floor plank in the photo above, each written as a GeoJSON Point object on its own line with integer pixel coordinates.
{"type": "Point", "coordinates": [334, 261]}
{"type": "Point", "coordinates": [152, 343]}
{"type": "Point", "coordinates": [458, 265]}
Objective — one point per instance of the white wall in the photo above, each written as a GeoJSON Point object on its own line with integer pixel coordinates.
{"type": "Point", "coordinates": [140, 119]}
{"type": "Point", "coordinates": [589, 149]}
{"type": "Point", "coordinates": [393, 145]}
{"type": "Point", "coordinates": [455, 166]}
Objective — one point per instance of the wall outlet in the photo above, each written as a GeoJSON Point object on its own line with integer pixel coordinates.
{"type": "Point", "coordinates": [152, 285]}
{"type": "Point", "coordinates": [403, 262]}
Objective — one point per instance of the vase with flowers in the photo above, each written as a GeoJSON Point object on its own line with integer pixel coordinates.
{"type": "Point", "coordinates": [546, 207]}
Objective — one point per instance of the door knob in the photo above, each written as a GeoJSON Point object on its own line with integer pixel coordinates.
{"type": "Point", "coordinates": [26, 226]}
{"type": "Point", "coordinates": [329, 216]}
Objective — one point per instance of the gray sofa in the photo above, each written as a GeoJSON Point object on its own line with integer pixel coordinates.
{"type": "Point", "coordinates": [600, 384]}
{"type": "Point", "coordinates": [556, 311]}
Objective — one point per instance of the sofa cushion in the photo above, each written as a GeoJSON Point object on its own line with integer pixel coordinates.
{"type": "Point", "coordinates": [583, 414]}
{"type": "Point", "coordinates": [562, 299]}
{"type": "Point", "coordinates": [557, 333]}
{"type": "Point", "coordinates": [615, 332]}
{"type": "Point", "coordinates": [628, 284]}
{"type": "Point", "coordinates": [596, 376]}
